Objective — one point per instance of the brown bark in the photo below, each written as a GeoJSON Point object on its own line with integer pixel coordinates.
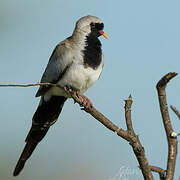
{"type": "Point", "coordinates": [172, 141]}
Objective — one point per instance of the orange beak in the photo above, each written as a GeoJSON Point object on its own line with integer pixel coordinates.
{"type": "Point", "coordinates": [103, 33]}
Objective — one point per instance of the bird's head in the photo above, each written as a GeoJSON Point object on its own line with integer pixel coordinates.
{"type": "Point", "coordinates": [90, 25]}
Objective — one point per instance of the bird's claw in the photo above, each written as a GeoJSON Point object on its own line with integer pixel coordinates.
{"type": "Point", "coordinates": [68, 89]}
{"type": "Point", "coordinates": [84, 100]}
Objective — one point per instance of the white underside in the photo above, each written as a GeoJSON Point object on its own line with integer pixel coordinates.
{"type": "Point", "coordinates": [77, 77]}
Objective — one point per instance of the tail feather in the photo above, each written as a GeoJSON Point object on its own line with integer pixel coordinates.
{"type": "Point", "coordinates": [45, 115]}
{"type": "Point", "coordinates": [28, 150]}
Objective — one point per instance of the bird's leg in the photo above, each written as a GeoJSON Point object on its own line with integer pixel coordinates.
{"type": "Point", "coordinates": [68, 89]}
{"type": "Point", "coordinates": [71, 91]}
{"type": "Point", "coordinates": [85, 101]}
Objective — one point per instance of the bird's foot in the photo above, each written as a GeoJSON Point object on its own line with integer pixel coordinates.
{"type": "Point", "coordinates": [68, 89]}
{"type": "Point", "coordinates": [86, 102]}
{"type": "Point", "coordinates": [83, 99]}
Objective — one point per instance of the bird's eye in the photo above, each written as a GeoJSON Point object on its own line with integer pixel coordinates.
{"type": "Point", "coordinates": [93, 25]}
{"type": "Point", "coordinates": [99, 26]}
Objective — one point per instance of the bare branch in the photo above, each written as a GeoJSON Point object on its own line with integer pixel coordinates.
{"type": "Point", "coordinates": [128, 135]}
{"type": "Point", "coordinates": [97, 115]}
{"type": "Point", "coordinates": [135, 142]}
{"type": "Point", "coordinates": [127, 108]}
{"type": "Point", "coordinates": [175, 111]}
{"type": "Point", "coordinates": [172, 141]}
{"type": "Point", "coordinates": [27, 85]}
{"type": "Point", "coordinates": [159, 170]}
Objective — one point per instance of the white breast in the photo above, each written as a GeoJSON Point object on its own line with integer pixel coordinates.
{"type": "Point", "coordinates": [77, 77]}
{"type": "Point", "coordinates": [81, 78]}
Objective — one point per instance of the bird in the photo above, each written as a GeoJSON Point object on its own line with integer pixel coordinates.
{"type": "Point", "coordinates": [75, 64]}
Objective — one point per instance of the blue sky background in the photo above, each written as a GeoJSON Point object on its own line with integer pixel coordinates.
{"type": "Point", "coordinates": [143, 45]}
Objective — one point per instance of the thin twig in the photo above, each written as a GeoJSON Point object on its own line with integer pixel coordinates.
{"type": "Point", "coordinates": [158, 170]}
{"type": "Point", "coordinates": [172, 141]}
{"type": "Point", "coordinates": [27, 85]}
{"type": "Point", "coordinates": [135, 142]}
{"type": "Point", "coordinates": [127, 108]}
{"type": "Point", "coordinates": [175, 111]}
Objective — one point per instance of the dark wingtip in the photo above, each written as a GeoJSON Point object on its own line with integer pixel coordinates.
{"type": "Point", "coordinates": [18, 167]}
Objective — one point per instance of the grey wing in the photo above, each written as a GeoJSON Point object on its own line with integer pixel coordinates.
{"type": "Point", "coordinates": [54, 71]}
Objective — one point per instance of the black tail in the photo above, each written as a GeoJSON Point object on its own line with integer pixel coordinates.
{"type": "Point", "coordinates": [45, 115]}
{"type": "Point", "coordinates": [28, 150]}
